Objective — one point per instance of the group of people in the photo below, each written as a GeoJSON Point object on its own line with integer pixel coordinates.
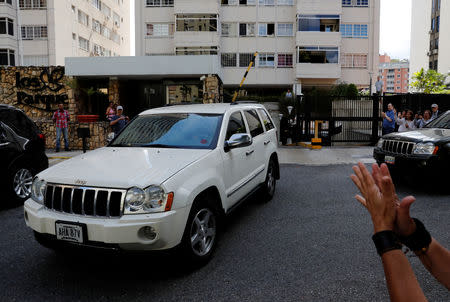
{"type": "Point", "coordinates": [61, 117]}
{"type": "Point", "coordinates": [406, 120]}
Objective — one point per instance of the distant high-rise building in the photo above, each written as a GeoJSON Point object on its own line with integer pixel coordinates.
{"type": "Point", "coordinates": [44, 32]}
{"type": "Point", "coordinates": [430, 36]}
{"type": "Point", "coordinates": [312, 43]}
{"type": "Point", "coordinates": [394, 74]}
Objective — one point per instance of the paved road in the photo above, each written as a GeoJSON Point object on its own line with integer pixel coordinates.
{"type": "Point", "coordinates": [311, 243]}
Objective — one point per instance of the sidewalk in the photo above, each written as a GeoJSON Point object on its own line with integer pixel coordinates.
{"type": "Point", "coordinates": [287, 155]}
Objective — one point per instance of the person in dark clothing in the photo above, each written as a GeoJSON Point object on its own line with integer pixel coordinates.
{"type": "Point", "coordinates": [118, 121]}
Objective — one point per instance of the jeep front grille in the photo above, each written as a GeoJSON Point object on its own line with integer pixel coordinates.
{"type": "Point", "coordinates": [398, 147]}
{"type": "Point", "coordinates": [88, 201]}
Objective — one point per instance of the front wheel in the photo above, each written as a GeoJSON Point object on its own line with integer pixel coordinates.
{"type": "Point", "coordinates": [268, 188]}
{"type": "Point", "coordinates": [20, 182]}
{"type": "Point", "coordinates": [200, 235]}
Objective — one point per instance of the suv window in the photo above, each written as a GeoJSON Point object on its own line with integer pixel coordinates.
{"type": "Point", "coordinates": [266, 119]}
{"type": "Point", "coordinates": [235, 125]}
{"type": "Point", "coordinates": [254, 123]}
{"type": "Point", "coordinates": [19, 122]}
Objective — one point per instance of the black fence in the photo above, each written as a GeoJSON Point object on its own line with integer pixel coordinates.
{"type": "Point", "coordinates": [352, 120]}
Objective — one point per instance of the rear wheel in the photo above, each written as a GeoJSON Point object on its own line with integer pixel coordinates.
{"type": "Point", "coordinates": [200, 234]}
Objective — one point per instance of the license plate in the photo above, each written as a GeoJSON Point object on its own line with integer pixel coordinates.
{"type": "Point", "coordinates": [389, 159]}
{"type": "Point", "coordinates": [70, 231]}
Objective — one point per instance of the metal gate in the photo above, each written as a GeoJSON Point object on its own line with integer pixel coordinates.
{"type": "Point", "coordinates": [342, 119]}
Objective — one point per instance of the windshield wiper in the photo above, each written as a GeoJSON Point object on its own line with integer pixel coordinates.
{"type": "Point", "coordinates": [158, 145]}
{"type": "Point", "coordinates": [120, 145]}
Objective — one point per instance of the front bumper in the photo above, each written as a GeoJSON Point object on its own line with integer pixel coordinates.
{"type": "Point", "coordinates": [124, 232]}
{"type": "Point", "coordinates": [415, 161]}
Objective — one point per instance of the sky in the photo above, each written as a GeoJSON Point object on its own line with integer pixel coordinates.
{"type": "Point", "coordinates": [395, 28]}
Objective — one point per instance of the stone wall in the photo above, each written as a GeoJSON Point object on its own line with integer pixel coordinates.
{"type": "Point", "coordinates": [212, 90]}
{"type": "Point", "coordinates": [38, 90]}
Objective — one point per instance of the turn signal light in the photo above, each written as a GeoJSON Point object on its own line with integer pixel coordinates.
{"type": "Point", "coordinates": [435, 150]}
{"type": "Point", "coordinates": [169, 202]}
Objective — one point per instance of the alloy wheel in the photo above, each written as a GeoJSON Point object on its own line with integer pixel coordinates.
{"type": "Point", "coordinates": [22, 183]}
{"type": "Point", "coordinates": [203, 232]}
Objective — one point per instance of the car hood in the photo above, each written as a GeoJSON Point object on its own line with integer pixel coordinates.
{"type": "Point", "coordinates": [422, 135]}
{"type": "Point", "coordinates": [122, 167]}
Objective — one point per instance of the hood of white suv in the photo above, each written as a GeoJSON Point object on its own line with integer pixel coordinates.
{"type": "Point", "coordinates": [122, 167]}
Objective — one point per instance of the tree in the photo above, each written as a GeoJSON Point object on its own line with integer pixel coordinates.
{"type": "Point", "coordinates": [429, 81]}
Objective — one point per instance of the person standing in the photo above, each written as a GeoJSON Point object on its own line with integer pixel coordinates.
{"type": "Point", "coordinates": [289, 94]}
{"type": "Point", "coordinates": [388, 120]}
{"type": "Point", "coordinates": [435, 111]}
{"type": "Point", "coordinates": [406, 122]}
{"type": "Point", "coordinates": [379, 86]}
{"type": "Point", "coordinates": [118, 121]}
{"type": "Point", "coordinates": [110, 111]}
{"type": "Point", "coordinates": [61, 118]}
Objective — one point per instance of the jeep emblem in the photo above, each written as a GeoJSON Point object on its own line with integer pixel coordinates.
{"type": "Point", "coordinates": [80, 182]}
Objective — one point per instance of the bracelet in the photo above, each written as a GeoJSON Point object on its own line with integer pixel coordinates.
{"type": "Point", "coordinates": [419, 240]}
{"type": "Point", "coordinates": [386, 241]}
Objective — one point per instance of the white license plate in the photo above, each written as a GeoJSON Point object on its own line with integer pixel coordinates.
{"type": "Point", "coordinates": [389, 159]}
{"type": "Point", "coordinates": [69, 232]}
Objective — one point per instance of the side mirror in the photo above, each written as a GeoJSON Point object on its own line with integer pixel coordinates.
{"type": "Point", "coordinates": [238, 140]}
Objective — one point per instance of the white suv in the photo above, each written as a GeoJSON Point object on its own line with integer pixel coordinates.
{"type": "Point", "coordinates": [165, 180]}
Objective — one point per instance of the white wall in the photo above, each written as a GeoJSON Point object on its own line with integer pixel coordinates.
{"type": "Point", "coordinates": [420, 38]}
{"type": "Point", "coordinates": [444, 40]}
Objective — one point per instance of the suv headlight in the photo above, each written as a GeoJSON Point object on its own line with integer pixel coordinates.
{"type": "Point", "coordinates": [38, 190]}
{"type": "Point", "coordinates": [427, 148]}
{"type": "Point", "coordinates": [150, 200]}
{"type": "Point", "coordinates": [380, 143]}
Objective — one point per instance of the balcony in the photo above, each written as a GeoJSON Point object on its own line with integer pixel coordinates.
{"type": "Point", "coordinates": [196, 38]}
{"type": "Point", "coordinates": [200, 7]}
{"type": "Point", "coordinates": [319, 7]}
{"type": "Point", "coordinates": [318, 71]}
{"type": "Point", "coordinates": [318, 38]}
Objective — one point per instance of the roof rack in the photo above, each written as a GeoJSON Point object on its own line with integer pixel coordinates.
{"type": "Point", "coordinates": [183, 103]}
{"type": "Point", "coordinates": [243, 102]}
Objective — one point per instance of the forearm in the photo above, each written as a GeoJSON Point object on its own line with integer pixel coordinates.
{"type": "Point", "coordinates": [112, 123]}
{"type": "Point", "coordinates": [437, 262]}
{"type": "Point", "coordinates": [401, 281]}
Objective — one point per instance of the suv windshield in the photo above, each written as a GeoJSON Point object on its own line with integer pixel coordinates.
{"type": "Point", "coordinates": [174, 130]}
{"type": "Point", "coordinates": [441, 122]}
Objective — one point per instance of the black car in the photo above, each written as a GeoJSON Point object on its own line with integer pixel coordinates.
{"type": "Point", "coordinates": [423, 150]}
{"type": "Point", "coordinates": [22, 154]}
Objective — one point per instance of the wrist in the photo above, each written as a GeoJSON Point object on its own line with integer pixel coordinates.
{"type": "Point", "coordinates": [419, 240]}
{"type": "Point", "coordinates": [386, 241]}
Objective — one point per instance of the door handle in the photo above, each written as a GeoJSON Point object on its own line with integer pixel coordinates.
{"type": "Point", "coordinates": [266, 142]}
{"type": "Point", "coordinates": [249, 152]}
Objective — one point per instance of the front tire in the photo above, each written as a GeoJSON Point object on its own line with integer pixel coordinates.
{"type": "Point", "coordinates": [268, 188]}
{"type": "Point", "coordinates": [19, 183]}
{"type": "Point", "coordinates": [200, 234]}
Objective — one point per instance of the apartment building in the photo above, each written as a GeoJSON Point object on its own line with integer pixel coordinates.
{"type": "Point", "coordinates": [430, 36]}
{"type": "Point", "coordinates": [45, 32]}
{"type": "Point", "coordinates": [300, 43]}
{"type": "Point", "coordinates": [394, 74]}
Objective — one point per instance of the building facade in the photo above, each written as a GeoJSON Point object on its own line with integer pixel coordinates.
{"type": "Point", "coordinates": [430, 36]}
{"type": "Point", "coordinates": [45, 32]}
{"type": "Point", "coordinates": [300, 43]}
{"type": "Point", "coordinates": [394, 74]}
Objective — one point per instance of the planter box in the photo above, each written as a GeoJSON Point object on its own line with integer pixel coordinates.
{"type": "Point", "coordinates": [87, 118]}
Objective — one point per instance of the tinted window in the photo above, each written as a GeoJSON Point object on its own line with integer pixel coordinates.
{"type": "Point", "coordinates": [19, 122]}
{"type": "Point", "coordinates": [175, 130]}
{"type": "Point", "coordinates": [254, 123]}
{"type": "Point", "coordinates": [266, 119]}
{"type": "Point", "coordinates": [441, 122]}
{"type": "Point", "coordinates": [235, 125]}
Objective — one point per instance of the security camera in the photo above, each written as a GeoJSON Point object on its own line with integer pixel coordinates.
{"type": "Point", "coordinates": [202, 78]}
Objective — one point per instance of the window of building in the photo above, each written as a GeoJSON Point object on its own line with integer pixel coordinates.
{"type": "Point", "coordinates": [228, 59]}
{"type": "Point", "coordinates": [285, 60]}
{"type": "Point", "coordinates": [285, 29]}
{"type": "Point", "coordinates": [83, 18]}
{"type": "Point", "coordinates": [97, 4]}
{"type": "Point", "coordinates": [354, 60]}
{"type": "Point", "coordinates": [266, 29]}
{"type": "Point", "coordinates": [438, 20]}
{"type": "Point", "coordinates": [83, 43]}
{"type": "Point", "coordinates": [34, 32]}
{"type": "Point", "coordinates": [247, 2]}
{"type": "Point", "coordinates": [115, 37]}
{"type": "Point", "coordinates": [106, 10]}
{"type": "Point", "coordinates": [398, 75]}
{"type": "Point", "coordinates": [323, 23]}
{"type": "Point", "coordinates": [246, 29]}
{"type": "Point", "coordinates": [318, 54]}
{"type": "Point", "coordinates": [201, 50]}
{"type": "Point", "coordinates": [355, 3]}
{"type": "Point", "coordinates": [266, 60]}
{"type": "Point", "coordinates": [6, 1]}
{"type": "Point", "coordinates": [73, 9]}
{"type": "Point", "coordinates": [161, 3]}
{"type": "Point", "coordinates": [229, 29]}
{"type": "Point", "coordinates": [7, 57]}
{"type": "Point", "coordinates": [74, 36]}
{"type": "Point", "coordinates": [116, 19]}
{"type": "Point", "coordinates": [285, 2]}
{"type": "Point", "coordinates": [354, 31]}
{"type": "Point", "coordinates": [96, 26]}
{"type": "Point", "coordinates": [266, 2]}
{"type": "Point", "coordinates": [160, 29]}
{"type": "Point", "coordinates": [245, 59]}
{"type": "Point", "coordinates": [196, 22]}
{"type": "Point", "coordinates": [106, 32]}
{"type": "Point", "coordinates": [33, 4]}
{"type": "Point", "coordinates": [6, 26]}
{"type": "Point", "coordinates": [229, 2]}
